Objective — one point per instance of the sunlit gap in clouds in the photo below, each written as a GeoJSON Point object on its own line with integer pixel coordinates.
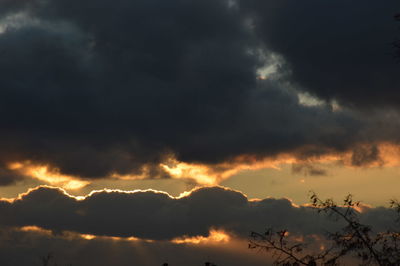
{"type": "Point", "coordinates": [212, 175]}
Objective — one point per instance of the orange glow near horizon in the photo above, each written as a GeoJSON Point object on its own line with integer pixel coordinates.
{"type": "Point", "coordinates": [215, 236]}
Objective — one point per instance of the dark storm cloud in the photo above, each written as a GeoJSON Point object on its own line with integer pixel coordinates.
{"type": "Point", "coordinates": [111, 88]}
{"type": "Point", "coordinates": [9, 6]}
{"type": "Point", "coordinates": [101, 87]}
{"type": "Point", "coordinates": [157, 216]}
{"type": "Point", "coordinates": [335, 49]}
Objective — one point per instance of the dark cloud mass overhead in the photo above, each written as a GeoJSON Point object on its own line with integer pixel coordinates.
{"type": "Point", "coordinates": [335, 49]}
{"type": "Point", "coordinates": [101, 87]}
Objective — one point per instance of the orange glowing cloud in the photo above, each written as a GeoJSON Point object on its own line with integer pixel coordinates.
{"type": "Point", "coordinates": [389, 155]}
{"type": "Point", "coordinates": [45, 173]}
{"type": "Point", "coordinates": [35, 229]}
{"type": "Point", "coordinates": [211, 175]}
{"type": "Point", "coordinates": [72, 235]}
{"type": "Point", "coordinates": [215, 236]}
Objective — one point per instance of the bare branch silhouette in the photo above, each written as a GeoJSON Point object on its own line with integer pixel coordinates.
{"type": "Point", "coordinates": [354, 239]}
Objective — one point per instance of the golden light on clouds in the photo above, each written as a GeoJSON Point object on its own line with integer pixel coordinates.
{"type": "Point", "coordinates": [87, 237]}
{"type": "Point", "coordinates": [202, 174]}
{"type": "Point", "coordinates": [215, 236]}
{"type": "Point", "coordinates": [35, 229]}
{"type": "Point", "coordinates": [213, 175]}
{"type": "Point", "coordinates": [93, 192]}
{"type": "Point", "coordinates": [389, 155]}
{"type": "Point", "coordinates": [51, 176]}
{"type": "Point", "coordinates": [74, 235]}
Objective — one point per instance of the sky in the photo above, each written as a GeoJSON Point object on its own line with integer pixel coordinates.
{"type": "Point", "coordinates": [149, 131]}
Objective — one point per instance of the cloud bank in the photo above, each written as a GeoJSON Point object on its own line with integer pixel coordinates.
{"type": "Point", "coordinates": [73, 250]}
{"type": "Point", "coordinates": [157, 216]}
{"type": "Point", "coordinates": [105, 88]}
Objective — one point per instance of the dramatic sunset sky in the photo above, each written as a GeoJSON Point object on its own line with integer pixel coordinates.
{"type": "Point", "coordinates": [137, 132]}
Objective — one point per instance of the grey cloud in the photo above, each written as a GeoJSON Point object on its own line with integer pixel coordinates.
{"type": "Point", "coordinates": [335, 49]}
{"type": "Point", "coordinates": [110, 89]}
{"type": "Point", "coordinates": [101, 87]}
{"type": "Point", "coordinates": [10, 6]}
{"type": "Point", "coordinates": [151, 215]}
{"type": "Point", "coordinates": [76, 251]}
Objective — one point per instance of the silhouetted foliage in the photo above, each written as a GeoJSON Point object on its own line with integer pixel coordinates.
{"type": "Point", "coordinates": [354, 239]}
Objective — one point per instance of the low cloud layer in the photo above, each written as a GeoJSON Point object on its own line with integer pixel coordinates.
{"type": "Point", "coordinates": [157, 216]}
{"type": "Point", "coordinates": [106, 87]}
{"type": "Point", "coordinates": [73, 250]}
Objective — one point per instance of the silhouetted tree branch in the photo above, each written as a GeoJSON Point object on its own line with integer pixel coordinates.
{"type": "Point", "coordinates": [355, 238]}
